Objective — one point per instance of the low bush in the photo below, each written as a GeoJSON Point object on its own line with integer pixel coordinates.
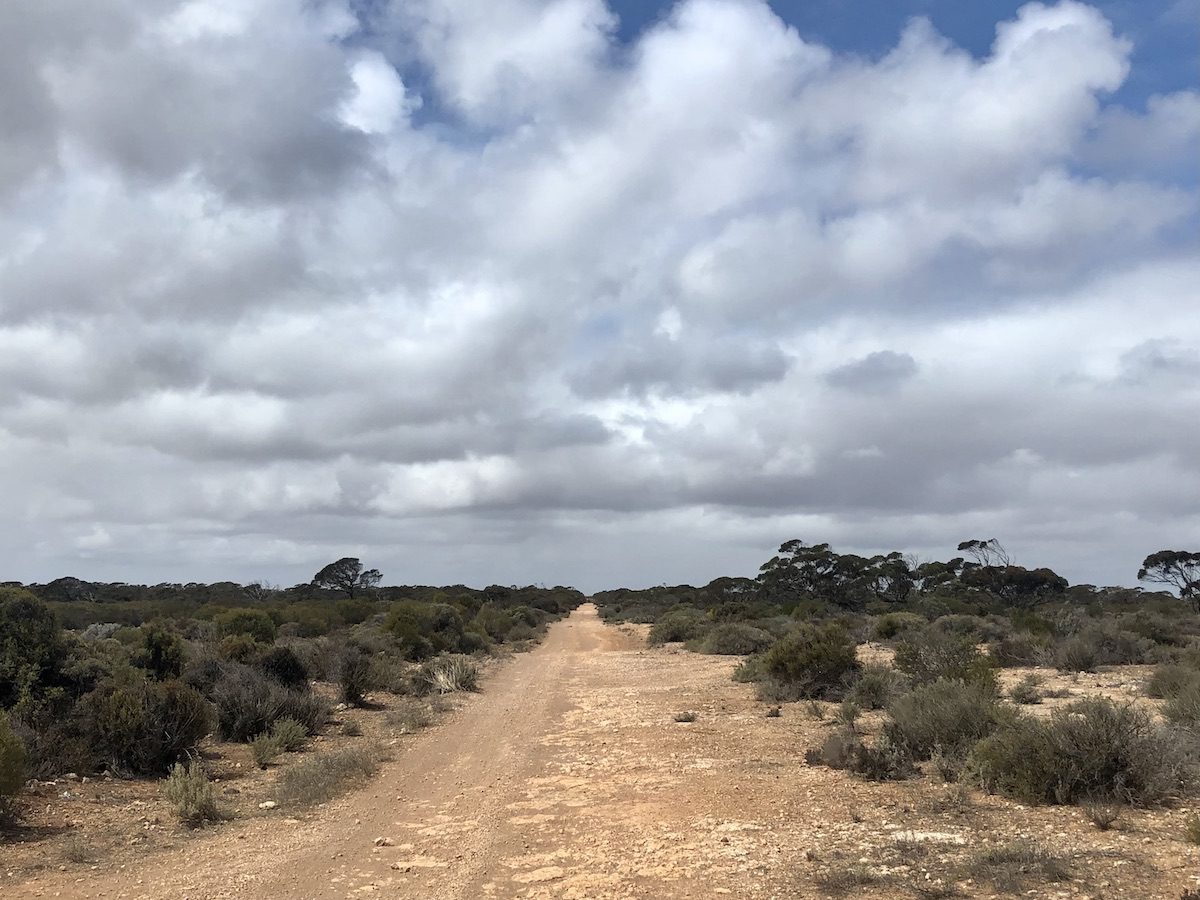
{"type": "Point", "coordinates": [189, 791]}
{"type": "Point", "coordinates": [409, 715]}
{"type": "Point", "coordinates": [931, 655]}
{"type": "Point", "coordinates": [265, 749]}
{"type": "Point", "coordinates": [811, 661]}
{"type": "Point", "coordinates": [734, 639]}
{"type": "Point", "coordinates": [1171, 679]}
{"type": "Point", "coordinates": [248, 704]}
{"type": "Point", "coordinates": [1183, 709]}
{"type": "Point", "coordinates": [354, 676]}
{"type": "Point", "coordinates": [448, 674]}
{"type": "Point", "coordinates": [144, 727]}
{"type": "Point", "coordinates": [1092, 750]}
{"type": "Point", "coordinates": [1021, 648]}
{"type": "Point", "coordinates": [290, 734]}
{"type": "Point", "coordinates": [894, 624]}
{"type": "Point", "coordinates": [1076, 654]}
{"type": "Point", "coordinates": [282, 664]}
{"type": "Point", "coordinates": [947, 715]}
{"type": "Point", "coordinates": [876, 686]}
{"type": "Point", "coordinates": [843, 749]}
{"type": "Point", "coordinates": [1011, 867]}
{"type": "Point", "coordinates": [677, 625]}
{"type": "Point", "coordinates": [320, 778]}
{"type": "Point", "coordinates": [1028, 690]}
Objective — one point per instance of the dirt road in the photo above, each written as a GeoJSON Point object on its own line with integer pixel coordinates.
{"type": "Point", "coordinates": [544, 785]}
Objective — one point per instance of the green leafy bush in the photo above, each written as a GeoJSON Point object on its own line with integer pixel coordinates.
{"type": "Point", "coordinates": [143, 727]}
{"type": "Point", "coordinates": [948, 714]}
{"type": "Point", "coordinates": [31, 647]}
{"type": "Point", "coordinates": [931, 655]}
{"type": "Point", "coordinates": [1092, 750]}
{"type": "Point", "coordinates": [811, 661]}
{"type": "Point", "coordinates": [161, 653]}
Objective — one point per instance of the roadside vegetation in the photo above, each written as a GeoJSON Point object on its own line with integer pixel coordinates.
{"type": "Point", "coordinates": [902, 663]}
{"type": "Point", "coordinates": [147, 682]}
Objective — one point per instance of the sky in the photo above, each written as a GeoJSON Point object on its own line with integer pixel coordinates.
{"type": "Point", "coordinates": [588, 293]}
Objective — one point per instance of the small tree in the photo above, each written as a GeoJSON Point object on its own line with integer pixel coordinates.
{"type": "Point", "coordinates": [348, 576]}
{"type": "Point", "coordinates": [1178, 568]}
{"type": "Point", "coordinates": [986, 553]}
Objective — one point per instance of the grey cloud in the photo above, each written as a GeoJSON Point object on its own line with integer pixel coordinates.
{"type": "Point", "coordinates": [881, 370]}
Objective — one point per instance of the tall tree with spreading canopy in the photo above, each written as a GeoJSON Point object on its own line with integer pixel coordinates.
{"type": "Point", "coordinates": [348, 576]}
{"type": "Point", "coordinates": [1178, 568]}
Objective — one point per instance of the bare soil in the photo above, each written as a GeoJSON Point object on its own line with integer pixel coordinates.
{"type": "Point", "coordinates": [568, 777]}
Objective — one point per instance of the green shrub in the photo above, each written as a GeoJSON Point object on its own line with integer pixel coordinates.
{"type": "Point", "coordinates": [734, 639]}
{"type": "Point", "coordinates": [893, 624]}
{"type": "Point", "coordinates": [144, 727]}
{"type": "Point", "coordinates": [239, 648]}
{"type": "Point", "coordinates": [931, 655]}
{"type": "Point", "coordinates": [12, 761]}
{"type": "Point", "coordinates": [812, 662]}
{"type": "Point", "coordinates": [31, 647]}
{"type": "Point", "coordinates": [161, 653]}
{"type": "Point", "coordinates": [252, 622]}
{"type": "Point", "coordinates": [950, 715]}
{"type": "Point", "coordinates": [1093, 750]}
{"type": "Point", "coordinates": [265, 748]}
{"type": "Point", "coordinates": [290, 734]}
{"type": "Point", "coordinates": [248, 704]}
{"type": "Point", "coordinates": [677, 625]}
{"type": "Point", "coordinates": [876, 686]}
{"type": "Point", "coordinates": [188, 789]}
{"type": "Point", "coordinates": [282, 664]}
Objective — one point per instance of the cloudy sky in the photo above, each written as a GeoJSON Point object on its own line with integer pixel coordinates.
{"type": "Point", "coordinates": [600, 294]}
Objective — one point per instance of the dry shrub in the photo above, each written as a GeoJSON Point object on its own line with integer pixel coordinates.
{"type": "Point", "coordinates": [448, 674]}
{"type": "Point", "coordinates": [409, 715]}
{"type": "Point", "coordinates": [320, 778]}
{"type": "Point", "coordinates": [946, 715]}
{"type": "Point", "coordinates": [1092, 750]}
